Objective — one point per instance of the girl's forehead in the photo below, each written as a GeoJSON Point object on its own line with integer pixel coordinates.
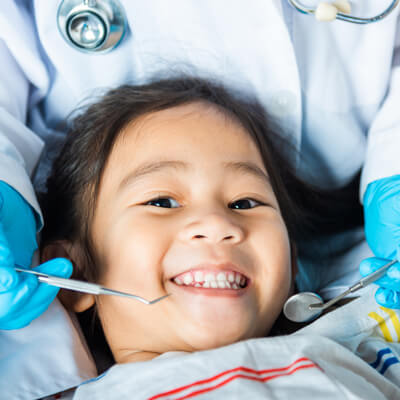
{"type": "Point", "coordinates": [195, 138]}
{"type": "Point", "coordinates": [184, 114]}
{"type": "Point", "coordinates": [195, 126]}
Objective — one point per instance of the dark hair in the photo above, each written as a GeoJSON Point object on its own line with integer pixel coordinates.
{"type": "Point", "coordinates": [68, 204]}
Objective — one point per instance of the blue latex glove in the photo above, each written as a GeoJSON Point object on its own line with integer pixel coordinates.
{"type": "Point", "coordinates": [388, 294]}
{"type": "Point", "coordinates": [382, 230]}
{"type": "Point", "coordinates": [22, 297]}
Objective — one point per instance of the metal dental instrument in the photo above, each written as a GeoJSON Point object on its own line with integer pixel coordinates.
{"type": "Point", "coordinates": [84, 287]}
{"type": "Point", "coordinates": [306, 306]}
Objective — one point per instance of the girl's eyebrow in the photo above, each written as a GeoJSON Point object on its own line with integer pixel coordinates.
{"type": "Point", "coordinates": [248, 168]}
{"type": "Point", "coordinates": [149, 168]}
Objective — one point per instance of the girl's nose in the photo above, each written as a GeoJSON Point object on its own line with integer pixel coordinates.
{"type": "Point", "coordinates": [213, 229]}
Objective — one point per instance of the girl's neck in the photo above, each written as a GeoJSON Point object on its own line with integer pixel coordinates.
{"type": "Point", "coordinates": [135, 356]}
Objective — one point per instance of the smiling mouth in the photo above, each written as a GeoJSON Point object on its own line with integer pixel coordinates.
{"type": "Point", "coordinates": [229, 280]}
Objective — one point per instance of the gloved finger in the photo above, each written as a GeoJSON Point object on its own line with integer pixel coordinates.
{"type": "Point", "coordinates": [60, 267]}
{"type": "Point", "coordinates": [10, 325]}
{"type": "Point", "coordinates": [27, 316]}
{"type": "Point", "coordinates": [24, 318]}
{"type": "Point", "coordinates": [9, 279]}
{"type": "Point", "coordinates": [371, 264]}
{"type": "Point", "coordinates": [13, 301]}
{"type": "Point", "coordinates": [28, 306]}
{"type": "Point", "coordinates": [42, 297]}
{"type": "Point", "coordinates": [8, 276]}
{"type": "Point", "coordinates": [391, 280]}
{"type": "Point", "coordinates": [388, 298]}
{"type": "Point", "coordinates": [27, 309]}
{"type": "Point", "coordinates": [45, 294]}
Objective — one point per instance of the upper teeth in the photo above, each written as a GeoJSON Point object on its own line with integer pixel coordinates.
{"type": "Point", "coordinates": [210, 279]}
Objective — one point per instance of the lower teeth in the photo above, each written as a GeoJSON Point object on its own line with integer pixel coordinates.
{"type": "Point", "coordinates": [214, 285]}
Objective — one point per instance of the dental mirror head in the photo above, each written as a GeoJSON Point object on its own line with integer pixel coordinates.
{"type": "Point", "coordinates": [297, 307]}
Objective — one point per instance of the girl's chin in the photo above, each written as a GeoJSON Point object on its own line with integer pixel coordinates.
{"type": "Point", "coordinates": [208, 327]}
{"type": "Point", "coordinates": [213, 342]}
{"type": "Point", "coordinates": [211, 335]}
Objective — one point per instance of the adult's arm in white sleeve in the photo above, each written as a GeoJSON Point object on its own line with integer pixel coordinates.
{"type": "Point", "coordinates": [23, 80]}
{"type": "Point", "coordinates": [382, 158]}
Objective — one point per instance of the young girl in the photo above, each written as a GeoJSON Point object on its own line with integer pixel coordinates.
{"type": "Point", "coordinates": [178, 187]}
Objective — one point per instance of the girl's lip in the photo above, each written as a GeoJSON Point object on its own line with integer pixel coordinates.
{"type": "Point", "coordinates": [210, 292]}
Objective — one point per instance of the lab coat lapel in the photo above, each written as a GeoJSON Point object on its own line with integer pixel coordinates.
{"type": "Point", "coordinates": [285, 104]}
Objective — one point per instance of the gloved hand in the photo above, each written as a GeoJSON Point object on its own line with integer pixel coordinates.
{"type": "Point", "coordinates": [22, 297]}
{"type": "Point", "coordinates": [388, 294]}
{"type": "Point", "coordinates": [382, 230]}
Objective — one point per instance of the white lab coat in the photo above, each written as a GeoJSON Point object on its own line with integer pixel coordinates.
{"type": "Point", "coordinates": [331, 87]}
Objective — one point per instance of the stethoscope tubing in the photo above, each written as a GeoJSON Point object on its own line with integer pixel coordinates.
{"type": "Point", "coordinates": [348, 18]}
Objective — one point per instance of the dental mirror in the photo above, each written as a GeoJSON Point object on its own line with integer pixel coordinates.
{"type": "Point", "coordinates": [305, 306]}
{"type": "Point", "coordinates": [297, 308]}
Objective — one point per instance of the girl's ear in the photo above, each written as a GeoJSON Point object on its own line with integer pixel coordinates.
{"type": "Point", "coordinates": [71, 300]}
{"type": "Point", "coordinates": [60, 248]}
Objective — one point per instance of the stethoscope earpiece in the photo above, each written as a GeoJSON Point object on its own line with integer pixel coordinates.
{"type": "Point", "coordinates": [91, 25]}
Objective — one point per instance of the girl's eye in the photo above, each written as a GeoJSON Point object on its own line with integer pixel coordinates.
{"type": "Point", "coordinates": [165, 202]}
{"type": "Point", "coordinates": [244, 204]}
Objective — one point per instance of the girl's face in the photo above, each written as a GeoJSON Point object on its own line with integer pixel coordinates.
{"type": "Point", "coordinates": [186, 207]}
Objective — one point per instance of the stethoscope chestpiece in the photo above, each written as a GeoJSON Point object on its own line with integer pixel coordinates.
{"type": "Point", "coordinates": [91, 26]}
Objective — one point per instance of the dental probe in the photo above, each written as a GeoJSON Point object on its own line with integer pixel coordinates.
{"type": "Point", "coordinates": [306, 306]}
{"type": "Point", "coordinates": [84, 287]}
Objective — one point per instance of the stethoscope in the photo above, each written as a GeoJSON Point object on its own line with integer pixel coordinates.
{"type": "Point", "coordinates": [97, 26]}
{"type": "Point", "coordinates": [92, 26]}
{"type": "Point", "coordinates": [340, 10]}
